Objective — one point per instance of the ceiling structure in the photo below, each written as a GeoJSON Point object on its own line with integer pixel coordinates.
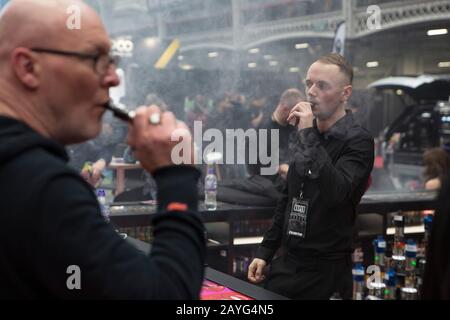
{"type": "Point", "coordinates": [287, 35]}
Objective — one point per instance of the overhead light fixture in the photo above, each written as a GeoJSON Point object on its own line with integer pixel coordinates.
{"type": "Point", "coordinates": [301, 46]}
{"type": "Point", "coordinates": [268, 57]}
{"type": "Point", "coordinates": [213, 54]}
{"type": "Point", "coordinates": [252, 65]}
{"type": "Point", "coordinates": [186, 66]}
{"type": "Point", "coordinates": [273, 63]}
{"type": "Point", "coordinates": [294, 69]}
{"type": "Point", "coordinates": [254, 50]}
{"type": "Point", "coordinates": [399, 92]}
{"type": "Point", "coordinates": [437, 32]}
{"type": "Point", "coordinates": [444, 64]}
{"type": "Point", "coordinates": [372, 64]}
{"type": "Point", "coordinates": [180, 58]}
{"type": "Point", "coordinates": [151, 42]}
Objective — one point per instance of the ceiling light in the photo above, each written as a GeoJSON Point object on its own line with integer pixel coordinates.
{"type": "Point", "coordinates": [180, 58]}
{"type": "Point", "coordinates": [372, 64]}
{"type": "Point", "coordinates": [213, 54]}
{"type": "Point", "coordinates": [254, 50]}
{"type": "Point", "coordinates": [444, 64]}
{"type": "Point", "coordinates": [437, 32]}
{"type": "Point", "coordinates": [399, 92]}
{"type": "Point", "coordinates": [186, 66]}
{"type": "Point", "coordinates": [294, 69]}
{"type": "Point", "coordinates": [301, 46]}
{"type": "Point", "coordinates": [151, 42]}
{"type": "Point", "coordinates": [252, 65]}
{"type": "Point", "coordinates": [273, 63]}
{"type": "Point", "coordinates": [268, 57]}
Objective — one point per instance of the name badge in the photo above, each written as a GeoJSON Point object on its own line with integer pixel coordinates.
{"type": "Point", "coordinates": [297, 218]}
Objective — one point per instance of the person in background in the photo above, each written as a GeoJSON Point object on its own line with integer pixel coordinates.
{"type": "Point", "coordinates": [437, 167]}
{"type": "Point", "coordinates": [257, 110]}
{"type": "Point", "coordinates": [197, 112]}
{"type": "Point", "coordinates": [149, 190]}
{"type": "Point", "coordinates": [278, 121]}
{"type": "Point", "coordinates": [54, 86]}
{"type": "Point", "coordinates": [90, 158]}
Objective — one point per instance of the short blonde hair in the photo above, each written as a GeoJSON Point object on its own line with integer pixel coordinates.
{"type": "Point", "coordinates": [344, 66]}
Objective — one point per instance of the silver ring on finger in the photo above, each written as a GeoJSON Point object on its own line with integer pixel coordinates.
{"type": "Point", "coordinates": [155, 118]}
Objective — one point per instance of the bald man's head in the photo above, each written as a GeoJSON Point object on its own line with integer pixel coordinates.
{"type": "Point", "coordinates": [42, 23]}
{"type": "Point", "coordinates": [56, 74]}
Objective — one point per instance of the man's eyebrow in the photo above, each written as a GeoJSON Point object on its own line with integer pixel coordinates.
{"type": "Point", "coordinates": [321, 82]}
{"type": "Point", "coordinates": [98, 47]}
{"type": "Point", "coordinates": [102, 48]}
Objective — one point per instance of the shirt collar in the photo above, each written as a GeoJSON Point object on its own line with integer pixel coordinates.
{"type": "Point", "coordinates": [340, 128]}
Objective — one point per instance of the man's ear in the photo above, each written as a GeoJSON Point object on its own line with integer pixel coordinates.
{"type": "Point", "coordinates": [346, 93]}
{"type": "Point", "coordinates": [25, 67]}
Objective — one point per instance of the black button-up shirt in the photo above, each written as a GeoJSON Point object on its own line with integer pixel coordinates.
{"type": "Point", "coordinates": [334, 168]}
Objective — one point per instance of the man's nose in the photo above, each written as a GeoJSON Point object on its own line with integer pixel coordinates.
{"type": "Point", "coordinates": [311, 91]}
{"type": "Point", "coordinates": [111, 79]}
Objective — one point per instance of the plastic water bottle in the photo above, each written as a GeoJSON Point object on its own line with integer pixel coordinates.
{"type": "Point", "coordinates": [390, 280]}
{"type": "Point", "coordinates": [409, 293]}
{"type": "Point", "coordinates": [210, 189]}
{"type": "Point", "coordinates": [104, 207]}
{"type": "Point", "coordinates": [379, 250]}
{"type": "Point", "coordinates": [358, 282]}
{"type": "Point", "coordinates": [399, 241]}
{"type": "Point", "coordinates": [398, 250]}
{"type": "Point", "coordinates": [427, 222]}
{"type": "Point", "coordinates": [376, 291]}
{"type": "Point", "coordinates": [411, 263]}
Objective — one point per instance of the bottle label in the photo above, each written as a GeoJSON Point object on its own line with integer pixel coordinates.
{"type": "Point", "coordinates": [210, 183]}
{"type": "Point", "coordinates": [358, 272]}
{"type": "Point", "coordinates": [381, 244]}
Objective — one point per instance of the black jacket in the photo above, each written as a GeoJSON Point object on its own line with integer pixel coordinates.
{"type": "Point", "coordinates": [334, 167]}
{"type": "Point", "coordinates": [51, 220]}
{"type": "Point", "coordinates": [436, 282]}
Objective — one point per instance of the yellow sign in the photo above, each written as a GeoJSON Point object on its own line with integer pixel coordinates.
{"type": "Point", "coordinates": [168, 54]}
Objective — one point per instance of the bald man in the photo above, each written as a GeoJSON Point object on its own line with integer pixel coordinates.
{"type": "Point", "coordinates": [54, 83]}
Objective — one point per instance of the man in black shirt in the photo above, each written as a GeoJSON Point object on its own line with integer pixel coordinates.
{"type": "Point", "coordinates": [313, 222]}
{"type": "Point", "coordinates": [55, 243]}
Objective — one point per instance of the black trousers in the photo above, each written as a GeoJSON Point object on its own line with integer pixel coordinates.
{"type": "Point", "coordinates": [310, 278]}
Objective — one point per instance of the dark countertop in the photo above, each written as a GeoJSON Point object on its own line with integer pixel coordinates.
{"type": "Point", "coordinates": [129, 214]}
